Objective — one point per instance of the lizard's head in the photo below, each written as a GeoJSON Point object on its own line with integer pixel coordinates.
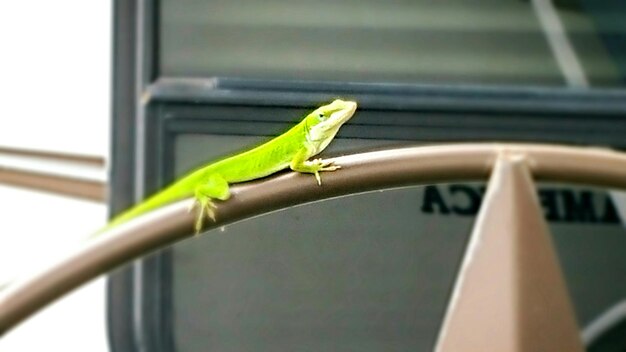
{"type": "Point", "coordinates": [335, 113]}
{"type": "Point", "coordinates": [332, 116]}
{"type": "Point", "coordinates": [324, 122]}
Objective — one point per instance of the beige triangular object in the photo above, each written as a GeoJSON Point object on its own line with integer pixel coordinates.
{"type": "Point", "coordinates": [510, 294]}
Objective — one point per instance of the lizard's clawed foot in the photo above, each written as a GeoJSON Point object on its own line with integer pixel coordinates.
{"type": "Point", "coordinates": [328, 165]}
{"type": "Point", "coordinates": [205, 206]}
{"type": "Point", "coordinates": [323, 165]}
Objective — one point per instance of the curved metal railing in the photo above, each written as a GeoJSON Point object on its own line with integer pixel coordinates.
{"type": "Point", "coordinates": [360, 173]}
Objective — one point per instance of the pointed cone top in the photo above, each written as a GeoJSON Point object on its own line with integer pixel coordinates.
{"type": "Point", "coordinates": [510, 294]}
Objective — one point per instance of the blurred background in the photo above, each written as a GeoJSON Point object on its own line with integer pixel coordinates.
{"type": "Point", "coordinates": [107, 101]}
{"type": "Point", "coordinates": [56, 80]}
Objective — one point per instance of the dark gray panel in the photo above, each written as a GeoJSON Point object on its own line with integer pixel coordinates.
{"type": "Point", "coordinates": [367, 272]}
{"type": "Point", "coordinates": [362, 273]}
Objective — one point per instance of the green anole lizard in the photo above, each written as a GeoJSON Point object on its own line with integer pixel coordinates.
{"type": "Point", "coordinates": [291, 149]}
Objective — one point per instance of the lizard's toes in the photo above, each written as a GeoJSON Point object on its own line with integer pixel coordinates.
{"type": "Point", "coordinates": [192, 206]}
{"type": "Point", "coordinates": [318, 178]}
{"type": "Point", "coordinates": [331, 168]}
{"type": "Point", "coordinates": [210, 210]}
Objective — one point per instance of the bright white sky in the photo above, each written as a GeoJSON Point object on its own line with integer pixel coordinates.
{"type": "Point", "coordinates": [55, 59]}
{"type": "Point", "coordinates": [55, 69]}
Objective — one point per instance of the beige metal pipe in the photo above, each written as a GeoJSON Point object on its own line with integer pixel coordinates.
{"type": "Point", "coordinates": [67, 186]}
{"type": "Point", "coordinates": [359, 173]}
{"type": "Point", "coordinates": [39, 170]}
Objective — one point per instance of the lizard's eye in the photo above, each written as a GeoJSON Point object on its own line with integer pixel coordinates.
{"type": "Point", "coordinates": [321, 116]}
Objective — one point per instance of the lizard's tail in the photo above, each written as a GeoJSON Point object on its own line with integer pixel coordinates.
{"type": "Point", "coordinates": [149, 204]}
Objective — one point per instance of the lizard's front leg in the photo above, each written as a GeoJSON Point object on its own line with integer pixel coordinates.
{"type": "Point", "coordinates": [215, 187]}
{"type": "Point", "coordinates": [315, 166]}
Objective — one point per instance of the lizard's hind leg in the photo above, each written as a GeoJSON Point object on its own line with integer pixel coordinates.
{"type": "Point", "coordinates": [215, 187]}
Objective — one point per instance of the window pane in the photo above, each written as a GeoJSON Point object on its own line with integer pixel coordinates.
{"type": "Point", "coordinates": [482, 41]}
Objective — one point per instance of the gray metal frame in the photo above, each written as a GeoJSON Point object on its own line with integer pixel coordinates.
{"type": "Point", "coordinates": [150, 111]}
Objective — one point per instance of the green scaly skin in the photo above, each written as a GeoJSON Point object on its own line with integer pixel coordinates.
{"type": "Point", "coordinates": [291, 149]}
